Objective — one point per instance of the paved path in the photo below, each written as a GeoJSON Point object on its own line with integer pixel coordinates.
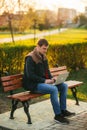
{"type": "Point", "coordinates": [42, 118]}
{"type": "Point", "coordinates": [30, 36]}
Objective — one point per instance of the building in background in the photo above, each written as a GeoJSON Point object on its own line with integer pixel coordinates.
{"type": "Point", "coordinates": [86, 11]}
{"type": "Point", "coordinates": [66, 15]}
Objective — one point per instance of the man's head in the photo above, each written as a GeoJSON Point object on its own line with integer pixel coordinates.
{"type": "Point", "coordinates": [42, 46]}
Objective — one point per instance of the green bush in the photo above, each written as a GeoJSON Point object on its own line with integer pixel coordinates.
{"type": "Point", "coordinates": [4, 28]}
{"type": "Point", "coordinates": [83, 26]}
{"type": "Point", "coordinates": [74, 56]}
{"type": "Point", "coordinates": [12, 57]}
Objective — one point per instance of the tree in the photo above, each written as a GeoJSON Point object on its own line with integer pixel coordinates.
{"type": "Point", "coordinates": [21, 20]}
{"type": "Point", "coordinates": [80, 19]}
{"type": "Point", "coordinates": [46, 19]}
{"type": "Point", "coordinates": [31, 15]}
{"type": "Point", "coordinates": [9, 10]}
{"type": "Point", "coordinates": [1, 3]}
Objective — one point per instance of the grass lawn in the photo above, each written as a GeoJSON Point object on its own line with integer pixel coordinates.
{"type": "Point", "coordinates": [80, 75]}
{"type": "Point", "coordinates": [8, 35]}
{"type": "Point", "coordinates": [68, 36]}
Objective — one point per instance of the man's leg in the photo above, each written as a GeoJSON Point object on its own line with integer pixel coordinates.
{"type": "Point", "coordinates": [63, 95]}
{"type": "Point", "coordinates": [53, 91]}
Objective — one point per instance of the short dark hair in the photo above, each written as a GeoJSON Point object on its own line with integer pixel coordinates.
{"type": "Point", "coordinates": [42, 42]}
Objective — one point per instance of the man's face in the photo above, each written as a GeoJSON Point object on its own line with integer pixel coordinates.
{"type": "Point", "coordinates": [42, 49]}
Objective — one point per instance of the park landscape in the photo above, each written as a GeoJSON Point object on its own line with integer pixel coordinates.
{"type": "Point", "coordinates": [70, 36]}
{"type": "Point", "coordinates": [68, 47]}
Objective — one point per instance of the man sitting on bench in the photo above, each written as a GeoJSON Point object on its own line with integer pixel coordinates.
{"type": "Point", "coordinates": [37, 78]}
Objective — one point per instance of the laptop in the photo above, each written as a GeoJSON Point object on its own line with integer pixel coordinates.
{"type": "Point", "coordinates": [61, 78]}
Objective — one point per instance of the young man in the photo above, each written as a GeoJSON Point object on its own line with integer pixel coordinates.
{"type": "Point", "coordinates": [37, 78]}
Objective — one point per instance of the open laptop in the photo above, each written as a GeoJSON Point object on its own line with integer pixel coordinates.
{"type": "Point", "coordinates": [61, 78]}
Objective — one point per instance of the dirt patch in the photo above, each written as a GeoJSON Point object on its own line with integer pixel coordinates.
{"type": "Point", "coordinates": [4, 104]}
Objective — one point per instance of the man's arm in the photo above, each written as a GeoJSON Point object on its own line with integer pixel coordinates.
{"type": "Point", "coordinates": [49, 73]}
{"type": "Point", "coordinates": [30, 71]}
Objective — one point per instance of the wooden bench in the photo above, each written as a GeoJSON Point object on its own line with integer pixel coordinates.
{"type": "Point", "coordinates": [14, 82]}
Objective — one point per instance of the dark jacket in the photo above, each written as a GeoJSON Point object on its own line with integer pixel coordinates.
{"type": "Point", "coordinates": [36, 70]}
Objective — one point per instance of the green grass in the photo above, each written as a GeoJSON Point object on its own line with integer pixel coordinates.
{"type": "Point", "coordinates": [8, 35]}
{"type": "Point", "coordinates": [80, 75]}
{"type": "Point", "coordinates": [69, 36]}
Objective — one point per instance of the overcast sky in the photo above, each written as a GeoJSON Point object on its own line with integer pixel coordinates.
{"type": "Point", "coordinates": [79, 5]}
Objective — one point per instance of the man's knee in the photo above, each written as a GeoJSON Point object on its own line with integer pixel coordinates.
{"type": "Point", "coordinates": [54, 89]}
{"type": "Point", "coordinates": [65, 86]}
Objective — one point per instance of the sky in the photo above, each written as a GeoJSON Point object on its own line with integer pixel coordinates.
{"type": "Point", "coordinates": [79, 5]}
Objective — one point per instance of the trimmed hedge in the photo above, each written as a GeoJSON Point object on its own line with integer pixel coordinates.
{"type": "Point", "coordinates": [12, 57]}
{"type": "Point", "coordinates": [74, 56]}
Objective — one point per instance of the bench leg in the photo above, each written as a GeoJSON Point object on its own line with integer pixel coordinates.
{"type": "Point", "coordinates": [74, 92]}
{"type": "Point", "coordinates": [26, 110]}
{"type": "Point", "coordinates": [14, 107]}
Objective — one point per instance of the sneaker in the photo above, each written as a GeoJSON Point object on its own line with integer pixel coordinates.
{"type": "Point", "coordinates": [60, 119]}
{"type": "Point", "coordinates": [67, 113]}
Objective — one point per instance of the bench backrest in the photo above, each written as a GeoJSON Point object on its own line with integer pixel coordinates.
{"type": "Point", "coordinates": [58, 70]}
{"type": "Point", "coordinates": [11, 82]}
{"type": "Point", "coordinates": [14, 82]}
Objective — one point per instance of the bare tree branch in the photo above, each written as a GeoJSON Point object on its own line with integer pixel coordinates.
{"type": "Point", "coordinates": [2, 3]}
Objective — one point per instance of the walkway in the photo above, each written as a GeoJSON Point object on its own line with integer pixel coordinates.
{"type": "Point", "coordinates": [30, 36]}
{"type": "Point", "coordinates": [42, 118]}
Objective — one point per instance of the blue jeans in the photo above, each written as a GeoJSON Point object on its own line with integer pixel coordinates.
{"type": "Point", "coordinates": [61, 89]}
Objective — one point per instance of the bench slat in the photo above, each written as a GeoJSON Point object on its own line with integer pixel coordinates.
{"type": "Point", "coordinates": [11, 82]}
{"type": "Point", "coordinates": [73, 83]}
{"type": "Point", "coordinates": [7, 78]}
{"type": "Point", "coordinates": [12, 87]}
{"type": "Point", "coordinates": [56, 73]}
{"type": "Point", "coordinates": [58, 69]}
{"type": "Point", "coordinates": [24, 97]}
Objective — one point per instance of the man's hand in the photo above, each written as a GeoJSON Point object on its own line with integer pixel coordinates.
{"type": "Point", "coordinates": [50, 81]}
{"type": "Point", "coordinates": [54, 78]}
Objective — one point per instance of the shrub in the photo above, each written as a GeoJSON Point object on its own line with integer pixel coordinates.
{"type": "Point", "coordinates": [72, 55]}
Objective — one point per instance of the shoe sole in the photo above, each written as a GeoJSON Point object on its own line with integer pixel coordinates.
{"type": "Point", "coordinates": [69, 116]}
{"type": "Point", "coordinates": [63, 123]}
